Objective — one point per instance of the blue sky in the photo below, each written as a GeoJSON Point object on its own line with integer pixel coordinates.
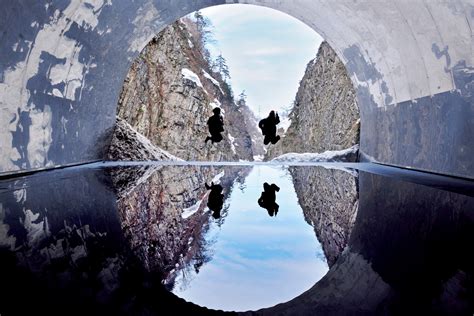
{"type": "Point", "coordinates": [255, 254]}
{"type": "Point", "coordinates": [266, 50]}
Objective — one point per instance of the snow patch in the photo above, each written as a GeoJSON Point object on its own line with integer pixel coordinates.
{"type": "Point", "coordinates": [258, 158]}
{"type": "Point", "coordinates": [216, 104]}
{"type": "Point", "coordinates": [327, 156]}
{"type": "Point", "coordinates": [231, 139]}
{"type": "Point", "coordinates": [214, 81]}
{"type": "Point", "coordinates": [158, 153]}
{"type": "Point", "coordinates": [191, 45]}
{"type": "Point", "coordinates": [187, 212]}
{"type": "Point", "coordinates": [217, 178]}
{"type": "Point", "coordinates": [188, 74]}
{"type": "Point", "coordinates": [285, 123]}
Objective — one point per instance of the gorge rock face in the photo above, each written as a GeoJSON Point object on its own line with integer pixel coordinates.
{"type": "Point", "coordinates": [128, 144]}
{"type": "Point", "coordinates": [325, 115]}
{"type": "Point", "coordinates": [329, 199]}
{"type": "Point", "coordinates": [170, 92]}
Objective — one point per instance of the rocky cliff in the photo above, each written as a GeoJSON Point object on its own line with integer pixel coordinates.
{"type": "Point", "coordinates": [169, 94]}
{"type": "Point", "coordinates": [330, 200]}
{"type": "Point", "coordinates": [325, 115]}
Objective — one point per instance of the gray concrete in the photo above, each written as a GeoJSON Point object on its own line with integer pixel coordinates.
{"type": "Point", "coordinates": [62, 65]}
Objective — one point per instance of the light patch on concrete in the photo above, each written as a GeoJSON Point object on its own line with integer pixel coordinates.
{"type": "Point", "coordinates": [63, 125]}
{"type": "Point", "coordinates": [20, 195]}
{"type": "Point", "coordinates": [36, 232]}
{"type": "Point", "coordinates": [6, 240]}
{"type": "Point", "coordinates": [57, 93]}
{"type": "Point", "coordinates": [147, 24]}
{"type": "Point", "coordinates": [13, 93]}
{"type": "Point", "coordinates": [10, 100]}
{"type": "Point", "coordinates": [40, 137]}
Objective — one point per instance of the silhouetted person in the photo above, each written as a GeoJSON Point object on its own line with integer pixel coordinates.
{"type": "Point", "coordinates": [268, 127]}
{"type": "Point", "coordinates": [268, 198]}
{"type": "Point", "coordinates": [216, 126]}
{"type": "Point", "coordinates": [215, 201]}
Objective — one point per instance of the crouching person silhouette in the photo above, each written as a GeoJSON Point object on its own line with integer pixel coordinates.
{"type": "Point", "coordinates": [268, 198]}
{"type": "Point", "coordinates": [268, 127]}
{"type": "Point", "coordinates": [216, 126]}
{"type": "Point", "coordinates": [215, 201]}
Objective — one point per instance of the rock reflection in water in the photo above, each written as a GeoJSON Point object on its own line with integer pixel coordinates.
{"type": "Point", "coordinates": [330, 201]}
{"type": "Point", "coordinates": [163, 213]}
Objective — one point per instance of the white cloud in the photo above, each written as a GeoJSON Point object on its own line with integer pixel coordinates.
{"type": "Point", "coordinates": [266, 51]}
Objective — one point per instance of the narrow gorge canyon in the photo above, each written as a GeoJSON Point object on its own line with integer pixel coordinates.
{"type": "Point", "coordinates": [167, 97]}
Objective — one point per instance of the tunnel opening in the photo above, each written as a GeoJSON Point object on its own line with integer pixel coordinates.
{"type": "Point", "coordinates": [182, 74]}
{"type": "Point", "coordinates": [413, 80]}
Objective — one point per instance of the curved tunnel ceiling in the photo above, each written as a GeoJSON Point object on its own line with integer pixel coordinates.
{"type": "Point", "coordinates": [412, 63]}
{"type": "Point", "coordinates": [63, 65]}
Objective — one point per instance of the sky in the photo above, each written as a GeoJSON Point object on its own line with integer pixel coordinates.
{"type": "Point", "coordinates": [254, 254]}
{"type": "Point", "coordinates": [266, 50]}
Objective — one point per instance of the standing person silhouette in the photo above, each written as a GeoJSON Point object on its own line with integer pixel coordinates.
{"type": "Point", "coordinates": [267, 199]}
{"type": "Point", "coordinates": [215, 201]}
{"type": "Point", "coordinates": [268, 127]}
{"type": "Point", "coordinates": [216, 126]}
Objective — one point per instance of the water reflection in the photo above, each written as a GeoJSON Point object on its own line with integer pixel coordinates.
{"type": "Point", "coordinates": [251, 255]}
{"type": "Point", "coordinates": [118, 240]}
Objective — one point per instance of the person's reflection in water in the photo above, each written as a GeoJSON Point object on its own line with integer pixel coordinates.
{"type": "Point", "coordinates": [268, 198]}
{"type": "Point", "coordinates": [215, 200]}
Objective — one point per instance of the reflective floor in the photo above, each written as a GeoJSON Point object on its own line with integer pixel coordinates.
{"type": "Point", "coordinates": [334, 238]}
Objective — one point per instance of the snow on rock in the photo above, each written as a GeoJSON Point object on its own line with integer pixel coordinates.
{"type": "Point", "coordinates": [129, 144]}
{"type": "Point", "coordinates": [187, 212]}
{"type": "Point", "coordinates": [214, 81]}
{"type": "Point", "coordinates": [232, 139]}
{"type": "Point", "coordinates": [217, 178]}
{"type": "Point", "coordinates": [191, 45]}
{"type": "Point", "coordinates": [188, 74]}
{"type": "Point", "coordinates": [258, 158]}
{"type": "Point", "coordinates": [158, 152]}
{"type": "Point", "coordinates": [216, 104]}
{"type": "Point", "coordinates": [327, 156]}
{"type": "Point", "coordinates": [285, 123]}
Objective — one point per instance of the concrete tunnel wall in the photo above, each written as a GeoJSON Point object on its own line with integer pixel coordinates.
{"type": "Point", "coordinates": [62, 65]}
